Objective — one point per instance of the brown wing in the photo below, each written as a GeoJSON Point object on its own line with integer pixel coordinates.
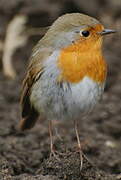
{"type": "Point", "coordinates": [35, 69]}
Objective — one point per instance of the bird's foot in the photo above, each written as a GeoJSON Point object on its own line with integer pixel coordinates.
{"type": "Point", "coordinates": [55, 154]}
{"type": "Point", "coordinates": [82, 157]}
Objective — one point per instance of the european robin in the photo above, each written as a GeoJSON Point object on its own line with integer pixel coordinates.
{"type": "Point", "coordinates": [67, 72]}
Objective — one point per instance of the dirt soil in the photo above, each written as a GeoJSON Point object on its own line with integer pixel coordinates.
{"type": "Point", "coordinates": [26, 155]}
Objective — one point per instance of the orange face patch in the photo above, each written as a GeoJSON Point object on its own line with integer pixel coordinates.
{"type": "Point", "coordinates": [97, 28]}
{"type": "Point", "coordinates": [83, 58]}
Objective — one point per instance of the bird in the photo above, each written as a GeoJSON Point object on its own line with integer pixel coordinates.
{"type": "Point", "coordinates": [66, 74]}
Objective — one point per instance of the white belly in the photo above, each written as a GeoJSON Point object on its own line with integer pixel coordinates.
{"type": "Point", "coordinates": [65, 101]}
{"type": "Point", "coordinates": [85, 95]}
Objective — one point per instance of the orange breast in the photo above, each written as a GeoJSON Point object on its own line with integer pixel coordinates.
{"type": "Point", "coordinates": [75, 63]}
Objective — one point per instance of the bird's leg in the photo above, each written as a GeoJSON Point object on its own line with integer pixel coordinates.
{"type": "Point", "coordinates": [53, 152]}
{"type": "Point", "coordinates": [51, 138]}
{"type": "Point", "coordinates": [82, 155]}
{"type": "Point", "coordinates": [79, 143]}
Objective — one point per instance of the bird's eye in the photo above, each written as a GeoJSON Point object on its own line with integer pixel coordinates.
{"type": "Point", "coordinates": [85, 33]}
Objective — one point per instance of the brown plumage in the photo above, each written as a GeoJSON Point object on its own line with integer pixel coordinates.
{"type": "Point", "coordinates": [29, 114]}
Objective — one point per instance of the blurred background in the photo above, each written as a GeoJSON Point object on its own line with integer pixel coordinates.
{"type": "Point", "coordinates": [21, 26]}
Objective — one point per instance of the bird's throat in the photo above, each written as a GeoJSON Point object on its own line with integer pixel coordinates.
{"type": "Point", "coordinates": [75, 64]}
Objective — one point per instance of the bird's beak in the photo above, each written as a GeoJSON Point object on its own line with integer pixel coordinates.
{"type": "Point", "coordinates": [107, 31]}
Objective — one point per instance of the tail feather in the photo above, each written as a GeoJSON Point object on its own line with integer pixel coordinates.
{"type": "Point", "coordinates": [29, 121]}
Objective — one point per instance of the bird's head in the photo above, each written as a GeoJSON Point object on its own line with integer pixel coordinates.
{"type": "Point", "coordinates": [76, 29]}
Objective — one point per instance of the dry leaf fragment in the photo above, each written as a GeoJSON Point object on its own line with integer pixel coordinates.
{"type": "Point", "coordinates": [14, 38]}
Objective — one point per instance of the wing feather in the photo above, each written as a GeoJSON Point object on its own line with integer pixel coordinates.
{"type": "Point", "coordinates": [34, 72]}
